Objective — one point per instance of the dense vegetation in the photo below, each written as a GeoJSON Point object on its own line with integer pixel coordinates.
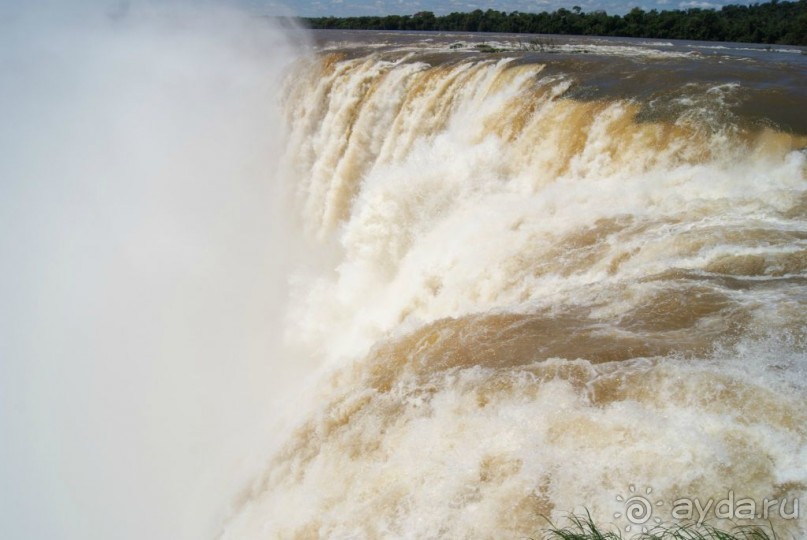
{"type": "Point", "coordinates": [772, 22]}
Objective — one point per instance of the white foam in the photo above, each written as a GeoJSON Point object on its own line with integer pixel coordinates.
{"type": "Point", "coordinates": [453, 217]}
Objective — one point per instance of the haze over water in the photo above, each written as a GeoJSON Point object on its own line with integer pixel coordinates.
{"type": "Point", "coordinates": [260, 283]}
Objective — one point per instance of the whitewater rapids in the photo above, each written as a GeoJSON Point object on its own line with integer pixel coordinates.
{"type": "Point", "coordinates": [257, 283]}
{"type": "Point", "coordinates": [529, 300]}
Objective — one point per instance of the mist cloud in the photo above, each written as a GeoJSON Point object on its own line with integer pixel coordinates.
{"type": "Point", "coordinates": [141, 273]}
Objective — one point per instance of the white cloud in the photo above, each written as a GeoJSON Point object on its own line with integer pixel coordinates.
{"type": "Point", "coordinates": [696, 4]}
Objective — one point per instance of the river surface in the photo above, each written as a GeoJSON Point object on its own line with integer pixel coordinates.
{"type": "Point", "coordinates": [551, 275]}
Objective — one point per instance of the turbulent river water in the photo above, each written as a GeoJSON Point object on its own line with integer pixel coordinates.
{"type": "Point", "coordinates": [544, 276]}
{"type": "Point", "coordinates": [265, 283]}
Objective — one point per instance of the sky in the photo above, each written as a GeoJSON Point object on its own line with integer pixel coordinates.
{"type": "Point", "coordinates": [318, 8]}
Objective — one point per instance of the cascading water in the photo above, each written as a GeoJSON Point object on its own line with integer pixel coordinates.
{"type": "Point", "coordinates": [568, 275]}
{"type": "Point", "coordinates": [536, 296]}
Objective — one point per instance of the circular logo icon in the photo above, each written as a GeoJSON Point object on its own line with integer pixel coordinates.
{"type": "Point", "coordinates": [638, 509]}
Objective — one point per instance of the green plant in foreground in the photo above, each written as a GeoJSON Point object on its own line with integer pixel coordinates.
{"type": "Point", "coordinates": [580, 528]}
{"type": "Point", "coordinates": [583, 528]}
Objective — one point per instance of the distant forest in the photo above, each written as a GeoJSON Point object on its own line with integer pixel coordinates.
{"type": "Point", "coordinates": [774, 22]}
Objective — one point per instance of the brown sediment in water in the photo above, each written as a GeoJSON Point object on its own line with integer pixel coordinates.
{"type": "Point", "coordinates": [549, 283]}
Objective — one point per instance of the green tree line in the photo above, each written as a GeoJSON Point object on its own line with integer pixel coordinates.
{"type": "Point", "coordinates": [773, 22]}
